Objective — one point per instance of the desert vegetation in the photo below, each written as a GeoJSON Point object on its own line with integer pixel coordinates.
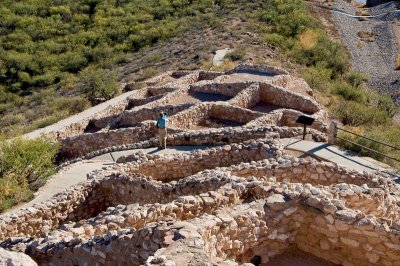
{"type": "Point", "coordinates": [48, 47]}
{"type": "Point", "coordinates": [325, 66]}
{"type": "Point", "coordinates": [24, 167]}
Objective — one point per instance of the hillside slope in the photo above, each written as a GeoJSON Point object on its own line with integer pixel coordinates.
{"type": "Point", "coordinates": [372, 43]}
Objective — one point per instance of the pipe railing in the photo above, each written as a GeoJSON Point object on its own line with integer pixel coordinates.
{"type": "Point", "coordinates": [364, 147]}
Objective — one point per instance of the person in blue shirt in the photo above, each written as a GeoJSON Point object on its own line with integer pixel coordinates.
{"type": "Point", "coordinates": [161, 124]}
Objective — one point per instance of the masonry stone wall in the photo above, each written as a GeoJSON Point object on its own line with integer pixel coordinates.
{"type": "Point", "coordinates": [281, 97]}
{"type": "Point", "coordinates": [143, 101]}
{"type": "Point", "coordinates": [227, 89]}
{"type": "Point", "coordinates": [223, 205]}
{"type": "Point", "coordinates": [160, 90]}
{"type": "Point", "coordinates": [292, 83]}
{"type": "Point", "coordinates": [279, 216]}
{"type": "Point", "coordinates": [134, 118]}
{"type": "Point", "coordinates": [91, 145]}
{"type": "Point", "coordinates": [247, 98]}
{"type": "Point", "coordinates": [245, 67]}
{"type": "Point", "coordinates": [289, 118]}
{"type": "Point", "coordinates": [237, 114]}
{"type": "Point", "coordinates": [190, 117]}
{"type": "Point", "coordinates": [168, 168]}
{"type": "Point", "coordinates": [80, 202]}
{"type": "Point", "coordinates": [85, 143]}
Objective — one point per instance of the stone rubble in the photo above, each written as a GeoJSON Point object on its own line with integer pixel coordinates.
{"type": "Point", "coordinates": [239, 199]}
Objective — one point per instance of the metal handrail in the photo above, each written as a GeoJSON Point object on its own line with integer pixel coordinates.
{"type": "Point", "coordinates": [364, 147]}
{"type": "Point", "coordinates": [377, 141]}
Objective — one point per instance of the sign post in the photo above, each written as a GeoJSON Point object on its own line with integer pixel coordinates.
{"type": "Point", "coordinates": [305, 121]}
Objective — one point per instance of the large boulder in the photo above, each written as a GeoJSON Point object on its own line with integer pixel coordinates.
{"type": "Point", "coordinates": [9, 258]}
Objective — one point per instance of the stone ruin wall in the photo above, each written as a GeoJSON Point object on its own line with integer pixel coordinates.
{"type": "Point", "coordinates": [94, 144]}
{"type": "Point", "coordinates": [226, 89]}
{"type": "Point", "coordinates": [167, 169]}
{"type": "Point", "coordinates": [185, 116]}
{"type": "Point", "coordinates": [247, 98]}
{"type": "Point", "coordinates": [101, 118]}
{"type": "Point", "coordinates": [84, 195]}
{"type": "Point", "coordinates": [258, 68]}
{"type": "Point", "coordinates": [282, 97]}
{"type": "Point", "coordinates": [222, 205]}
{"type": "Point", "coordinates": [132, 119]}
{"type": "Point", "coordinates": [316, 219]}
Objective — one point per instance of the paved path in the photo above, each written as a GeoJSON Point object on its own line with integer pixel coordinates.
{"type": "Point", "coordinates": [77, 172]}
{"type": "Point", "coordinates": [77, 118]}
{"type": "Point", "coordinates": [333, 154]}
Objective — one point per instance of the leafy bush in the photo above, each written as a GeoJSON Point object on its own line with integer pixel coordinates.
{"type": "Point", "coordinates": [289, 18]}
{"type": "Point", "coordinates": [349, 92]}
{"type": "Point", "coordinates": [383, 102]}
{"type": "Point", "coordinates": [292, 28]}
{"type": "Point", "coordinates": [386, 134]}
{"type": "Point", "coordinates": [97, 84]}
{"type": "Point", "coordinates": [44, 45]}
{"type": "Point", "coordinates": [357, 114]}
{"type": "Point", "coordinates": [356, 79]}
{"type": "Point", "coordinates": [24, 166]}
{"type": "Point", "coordinates": [236, 55]}
{"type": "Point", "coordinates": [319, 78]}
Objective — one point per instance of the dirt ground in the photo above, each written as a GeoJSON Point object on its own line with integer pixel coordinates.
{"type": "Point", "coordinates": [296, 257]}
{"type": "Point", "coordinates": [197, 97]}
{"type": "Point", "coordinates": [264, 108]}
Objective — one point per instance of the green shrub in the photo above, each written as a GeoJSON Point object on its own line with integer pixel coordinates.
{"type": "Point", "coordinates": [236, 55]}
{"type": "Point", "coordinates": [319, 78]}
{"type": "Point", "coordinates": [387, 134]}
{"type": "Point", "coordinates": [70, 105]}
{"type": "Point", "coordinates": [383, 102]}
{"type": "Point", "coordinates": [349, 92]}
{"type": "Point", "coordinates": [97, 84]}
{"type": "Point", "coordinates": [274, 39]}
{"type": "Point", "coordinates": [357, 114]}
{"type": "Point", "coordinates": [12, 192]}
{"type": "Point", "coordinates": [289, 18]}
{"type": "Point", "coordinates": [356, 78]}
{"type": "Point", "coordinates": [24, 166]}
{"type": "Point", "coordinates": [46, 121]}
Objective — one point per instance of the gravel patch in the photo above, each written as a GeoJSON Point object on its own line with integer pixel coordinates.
{"type": "Point", "coordinates": [376, 59]}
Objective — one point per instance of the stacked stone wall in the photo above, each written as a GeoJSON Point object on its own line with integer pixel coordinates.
{"type": "Point", "coordinates": [246, 67]}
{"type": "Point", "coordinates": [85, 143]}
{"type": "Point", "coordinates": [80, 202]}
{"type": "Point", "coordinates": [134, 118]}
{"type": "Point", "coordinates": [311, 171]}
{"type": "Point", "coordinates": [160, 90]}
{"type": "Point", "coordinates": [230, 113]}
{"type": "Point", "coordinates": [227, 89]}
{"type": "Point", "coordinates": [271, 94]}
{"type": "Point", "coordinates": [247, 98]}
{"type": "Point", "coordinates": [190, 117]}
{"type": "Point", "coordinates": [167, 168]}
{"type": "Point", "coordinates": [292, 83]}
{"type": "Point", "coordinates": [139, 102]}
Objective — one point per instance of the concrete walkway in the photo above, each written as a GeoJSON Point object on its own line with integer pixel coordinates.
{"type": "Point", "coordinates": [77, 172]}
{"type": "Point", "coordinates": [78, 118]}
{"type": "Point", "coordinates": [333, 154]}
